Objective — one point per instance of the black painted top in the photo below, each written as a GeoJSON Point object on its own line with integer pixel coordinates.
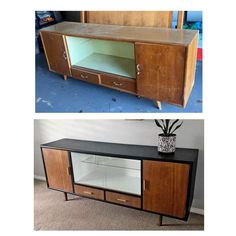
{"type": "Point", "coordinates": [184, 155]}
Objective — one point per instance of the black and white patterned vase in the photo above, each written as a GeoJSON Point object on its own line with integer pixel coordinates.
{"type": "Point", "coordinates": [166, 144]}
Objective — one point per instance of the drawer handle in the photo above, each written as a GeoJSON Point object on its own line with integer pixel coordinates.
{"type": "Point", "coordinates": [138, 69]}
{"type": "Point", "coordinates": [68, 170]}
{"type": "Point", "coordinates": [121, 200]}
{"type": "Point", "coordinates": [84, 76]}
{"type": "Point", "coordinates": [117, 84]}
{"type": "Point", "coordinates": [64, 55]}
{"type": "Point", "coordinates": [87, 192]}
{"type": "Point", "coordinates": [144, 184]}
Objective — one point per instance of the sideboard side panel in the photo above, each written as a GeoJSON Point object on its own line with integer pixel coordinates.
{"type": "Point", "coordinates": [190, 68]}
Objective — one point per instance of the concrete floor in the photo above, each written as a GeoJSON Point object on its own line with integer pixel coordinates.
{"type": "Point", "coordinates": [53, 94]}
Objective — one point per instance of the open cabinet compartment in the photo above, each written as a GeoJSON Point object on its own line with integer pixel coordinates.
{"type": "Point", "coordinates": [102, 55]}
{"type": "Point", "coordinates": [110, 173]}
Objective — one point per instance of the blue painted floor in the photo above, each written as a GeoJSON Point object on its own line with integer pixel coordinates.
{"type": "Point", "coordinates": [53, 94]}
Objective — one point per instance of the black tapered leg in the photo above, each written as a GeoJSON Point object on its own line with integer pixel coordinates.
{"type": "Point", "coordinates": [160, 220]}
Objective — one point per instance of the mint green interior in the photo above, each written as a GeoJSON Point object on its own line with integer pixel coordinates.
{"type": "Point", "coordinates": [102, 55]}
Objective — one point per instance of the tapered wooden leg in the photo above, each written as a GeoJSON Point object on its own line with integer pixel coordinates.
{"type": "Point", "coordinates": [66, 197]}
{"type": "Point", "coordinates": [65, 77]}
{"type": "Point", "coordinates": [158, 104]}
{"type": "Point", "coordinates": [160, 220]}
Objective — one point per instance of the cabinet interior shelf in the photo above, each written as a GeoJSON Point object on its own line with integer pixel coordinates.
{"type": "Point", "coordinates": [107, 172]}
{"type": "Point", "coordinates": [102, 55]}
{"type": "Point", "coordinates": [110, 64]}
{"type": "Point", "coordinates": [115, 163]}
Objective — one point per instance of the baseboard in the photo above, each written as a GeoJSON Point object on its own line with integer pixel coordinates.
{"type": "Point", "coordinates": [197, 210]}
{"type": "Point", "coordinates": [193, 209]}
{"type": "Point", "coordinates": [40, 177]}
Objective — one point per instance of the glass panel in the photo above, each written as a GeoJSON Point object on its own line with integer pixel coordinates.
{"type": "Point", "coordinates": [107, 172]}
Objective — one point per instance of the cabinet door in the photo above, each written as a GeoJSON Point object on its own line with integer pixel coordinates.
{"type": "Point", "coordinates": [160, 72]}
{"type": "Point", "coordinates": [165, 187]}
{"type": "Point", "coordinates": [58, 169]}
{"type": "Point", "coordinates": [55, 51]}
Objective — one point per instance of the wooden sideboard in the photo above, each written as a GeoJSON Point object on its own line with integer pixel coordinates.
{"type": "Point", "coordinates": [155, 63]}
{"type": "Point", "coordinates": [128, 175]}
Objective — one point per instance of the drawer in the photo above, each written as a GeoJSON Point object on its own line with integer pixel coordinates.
{"type": "Point", "coordinates": [123, 199]}
{"type": "Point", "coordinates": [85, 75]}
{"type": "Point", "coordinates": [89, 192]}
{"type": "Point", "coordinates": [121, 83]}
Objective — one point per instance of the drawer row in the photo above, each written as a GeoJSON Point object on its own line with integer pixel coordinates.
{"type": "Point", "coordinates": [108, 196]}
{"type": "Point", "coordinates": [108, 80]}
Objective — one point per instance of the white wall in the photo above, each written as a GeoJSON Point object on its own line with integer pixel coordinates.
{"type": "Point", "coordinates": [143, 132]}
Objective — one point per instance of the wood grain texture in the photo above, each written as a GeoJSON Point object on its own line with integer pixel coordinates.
{"type": "Point", "coordinates": [161, 72]}
{"type": "Point", "coordinates": [119, 83]}
{"type": "Point", "coordinates": [57, 164]}
{"type": "Point", "coordinates": [56, 53]}
{"type": "Point", "coordinates": [123, 199]}
{"type": "Point", "coordinates": [166, 187]}
{"type": "Point", "coordinates": [85, 75]}
{"type": "Point", "coordinates": [124, 33]}
{"type": "Point", "coordinates": [190, 68]}
{"type": "Point", "coordinates": [161, 19]}
{"type": "Point", "coordinates": [89, 192]}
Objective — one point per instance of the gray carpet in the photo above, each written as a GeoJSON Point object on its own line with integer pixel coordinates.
{"type": "Point", "coordinates": [51, 212]}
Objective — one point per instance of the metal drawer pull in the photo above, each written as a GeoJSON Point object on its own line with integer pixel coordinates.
{"type": "Point", "coordinates": [64, 55]}
{"type": "Point", "coordinates": [68, 171]}
{"type": "Point", "coordinates": [87, 192]}
{"type": "Point", "coordinates": [144, 184]}
{"type": "Point", "coordinates": [121, 200]}
{"type": "Point", "coordinates": [138, 69]}
{"type": "Point", "coordinates": [117, 84]}
{"type": "Point", "coordinates": [84, 76]}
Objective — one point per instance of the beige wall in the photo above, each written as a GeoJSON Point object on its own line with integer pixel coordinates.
{"type": "Point", "coordinates": [144, 132]}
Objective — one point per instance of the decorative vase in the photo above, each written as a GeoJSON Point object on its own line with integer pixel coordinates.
{"type": "Point", "coordinates": [166, 144]}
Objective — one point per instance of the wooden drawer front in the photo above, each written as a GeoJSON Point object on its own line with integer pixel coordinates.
{"type": "Point", "coordinates": [89, 192]}
{"type": "Point", "coordinates": [120, 83]}
{"type": "Point", "coordinates": [85, 75]}
{"type": "Point", "coordinates": [123, 199]}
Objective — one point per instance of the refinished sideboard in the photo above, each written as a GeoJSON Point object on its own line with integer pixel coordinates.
{"type": "Point", "coordinates": [128, 175]}
{"type": "Point", "coordinates": [156, 63]}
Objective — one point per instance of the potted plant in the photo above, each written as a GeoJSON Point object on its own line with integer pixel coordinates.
{"type": "Point", "coordinates": [167, 139]}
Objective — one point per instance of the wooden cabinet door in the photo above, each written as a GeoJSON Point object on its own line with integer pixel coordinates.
{"type": "Point", "coordinates": [57, 169]}
{"type": "Point", "coordinates": [165, 187]}
{"type": "Point", "coordinates": [160, 72]}
{"type": "Point", "coordinates": [55, 51]}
